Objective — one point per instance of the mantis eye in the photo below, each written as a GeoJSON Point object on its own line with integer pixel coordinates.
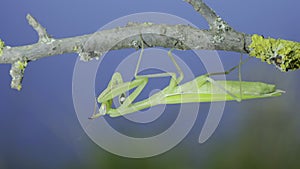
{"type": "Point", "coordinates": [122, 98]}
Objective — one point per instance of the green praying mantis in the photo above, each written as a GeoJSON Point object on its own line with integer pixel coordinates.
{"type": "Point", "coordinates": [201, 89]}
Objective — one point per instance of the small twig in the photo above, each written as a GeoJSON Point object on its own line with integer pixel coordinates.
{"type": "Point", "coordinates": [216, 24]}
{"type": "Point", "coordinates": [214, 21]}
{"type": "Point", "coordinates": [17, 73]}
{"type": "Point", "coordinates": [44, 37]}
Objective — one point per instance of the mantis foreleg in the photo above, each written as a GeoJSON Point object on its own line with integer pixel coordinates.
{"type": "Point", "coordinates": [115, 80]}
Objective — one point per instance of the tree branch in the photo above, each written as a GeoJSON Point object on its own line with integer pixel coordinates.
{"type": "Point", "coordinates": [285, 55]}
{"type": "Point", "coordinates": [181, 37]}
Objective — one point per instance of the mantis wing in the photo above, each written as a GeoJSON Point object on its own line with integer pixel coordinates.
{"type": "Point", "coordinates": [208, 92]}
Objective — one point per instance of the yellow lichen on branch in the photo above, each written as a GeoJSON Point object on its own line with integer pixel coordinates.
{"type": "Point", "coordinates": [284, 54]}
{"type": "Point", "coordinates": [1, 46]}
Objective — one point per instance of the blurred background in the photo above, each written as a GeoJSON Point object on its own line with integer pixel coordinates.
{"type": "Point", "coordinates": [39, 127]}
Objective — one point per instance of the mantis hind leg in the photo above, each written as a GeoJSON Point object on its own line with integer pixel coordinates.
{"type": "Point", "coordinates": [231, 69]}
{"type": "Point", "coordinates": [181, 75]}
{"type": "Point", "coordinates": [227, 72]}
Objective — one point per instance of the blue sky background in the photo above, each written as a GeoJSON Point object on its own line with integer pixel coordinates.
{"type": "Point", "coordinates": [39, 126]}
